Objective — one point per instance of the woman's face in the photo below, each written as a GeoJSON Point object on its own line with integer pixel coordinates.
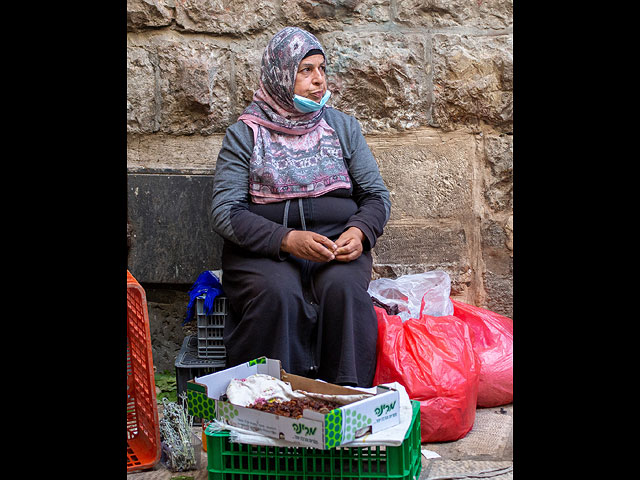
{"type": "Point", "coordinates": [311, 81]}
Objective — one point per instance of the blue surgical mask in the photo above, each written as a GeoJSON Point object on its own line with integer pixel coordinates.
{"type": "Point", "coordinates": [306, 105]}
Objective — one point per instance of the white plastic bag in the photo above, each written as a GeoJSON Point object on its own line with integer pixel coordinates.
{"type": "Point", "coordinates": [407, 291]}
{"type": "Point", "coordinates": [245, 391]}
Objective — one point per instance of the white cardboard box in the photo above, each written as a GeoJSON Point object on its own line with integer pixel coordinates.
{"type": "Point", "coordinates": [313, 429]}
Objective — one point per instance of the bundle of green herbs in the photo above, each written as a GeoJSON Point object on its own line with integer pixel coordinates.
{"type": "Point", "coordinates": [176, 435]}
{"type": "Point", "coordinates": [166, 386]}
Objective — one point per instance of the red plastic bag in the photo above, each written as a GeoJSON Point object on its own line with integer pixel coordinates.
{"type": "Point", "coordinates": [433, 358]}
{"type": "Point", "coordinates": [493, 343]}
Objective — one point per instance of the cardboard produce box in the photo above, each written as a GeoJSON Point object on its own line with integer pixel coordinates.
{"type": "Point", "coordinates": [318, 430]}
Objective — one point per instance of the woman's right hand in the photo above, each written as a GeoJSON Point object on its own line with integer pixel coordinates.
{"type": "Point", "coordinates": [309, 246]}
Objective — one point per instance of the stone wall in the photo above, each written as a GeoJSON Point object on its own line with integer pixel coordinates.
{"type": "Point", "coordinates": [429, 80]}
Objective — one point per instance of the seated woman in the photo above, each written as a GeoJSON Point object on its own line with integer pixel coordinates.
{"type": "Point", "coordinates": [300, 203]}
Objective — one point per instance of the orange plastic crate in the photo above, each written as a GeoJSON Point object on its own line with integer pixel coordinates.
{"type": "Point", "coordinates": [143, 433]}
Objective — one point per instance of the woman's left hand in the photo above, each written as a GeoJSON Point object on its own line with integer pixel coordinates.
{"type": "Point", "coordinates": [349, 245]}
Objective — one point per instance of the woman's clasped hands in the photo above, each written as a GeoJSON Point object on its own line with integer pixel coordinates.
{"type": "Point", "coordinates": [318, 248]}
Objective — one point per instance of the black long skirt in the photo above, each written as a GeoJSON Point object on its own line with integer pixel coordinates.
{"type": "Point", "coordinates": [316, 318]}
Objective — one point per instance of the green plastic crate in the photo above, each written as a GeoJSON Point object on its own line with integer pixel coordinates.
{"type": "Point", "coordinates": [238, 461]}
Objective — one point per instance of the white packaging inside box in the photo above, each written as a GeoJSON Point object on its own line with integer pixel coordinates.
{"type": "Point", "coordinates": [341, 425]}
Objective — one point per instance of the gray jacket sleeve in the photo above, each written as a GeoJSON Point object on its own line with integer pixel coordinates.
{"type": "Point", "coordinates": [229, 208]}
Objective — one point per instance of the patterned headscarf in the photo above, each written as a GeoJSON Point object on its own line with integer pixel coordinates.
{"type": "Point", "coordinates": [295, 154]}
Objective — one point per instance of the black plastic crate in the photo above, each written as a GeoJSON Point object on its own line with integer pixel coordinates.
{"type": "Point", "coordinates": [189, 365]}
{"type": "Point", "coordinates": [211, 328]}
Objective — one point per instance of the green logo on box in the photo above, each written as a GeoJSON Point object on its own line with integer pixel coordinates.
{"type": "Point", "coordinates": [301, 427]}
{"type": "Point", "coordinates": [384, 408]}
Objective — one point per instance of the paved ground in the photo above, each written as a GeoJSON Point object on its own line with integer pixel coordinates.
{"type": "Point", "coordinates": [485, 452]}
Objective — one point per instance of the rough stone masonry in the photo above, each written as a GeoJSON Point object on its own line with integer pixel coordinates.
{"type": "Point", "coordinates": [431, 82]}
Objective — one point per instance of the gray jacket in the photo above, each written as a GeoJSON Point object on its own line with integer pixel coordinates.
{"type": "Point", "coordinates": [230, 208]}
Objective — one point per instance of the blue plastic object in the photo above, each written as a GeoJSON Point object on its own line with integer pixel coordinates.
{"type": "Point", "coordinates": [207, 284]}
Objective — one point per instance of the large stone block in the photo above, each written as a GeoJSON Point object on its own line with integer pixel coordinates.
{"type": "Point", "coordinates": [473, 80]}
{"type": "Point", "coordinates": [429, 174]}
{"type": "Point", "coordinates": [497, 256]}
{"type": "Point", "coordinates": [406, 249]}
{"type": "Point", "coordinates": [174, 239]}
{"type": "Point", "coordinates": [195, 86]}
{"type": "Point", "coordinates": [192, 90]}
{"type": "Point", "coordinates": [487, 14]}
{"type": "Point", "coordinates": [498, 188]}
{"type": "Point", "coordinates": [328, 15]}
{"type": "Point", "coordinates": [499, 293]}
{"type": "Point", "coordinates": [233, 17]}
{"type": "Point", "coordinates": [142, 105]}
{"type": "Point", "coordinates": [247, 58]}
{"type": "Point", "coordinates": [497, 245]}
{"type": "Point", "coordinates": [425, 246]}
{"type": "Point", "coordinates": [494, 234]}
{"type": "Point", "coordinates": [186, 154]}
{"type": "Point", "coordinates": [382, 78]}
{"type": "Point", "coordinates": [143, 14]}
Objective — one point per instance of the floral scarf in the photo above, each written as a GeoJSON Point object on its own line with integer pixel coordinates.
{"type": "Point", "coordinates": [295, 154]}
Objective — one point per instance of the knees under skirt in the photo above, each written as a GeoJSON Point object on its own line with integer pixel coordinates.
{"type": "Point", "coordinates": [316, 318]}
